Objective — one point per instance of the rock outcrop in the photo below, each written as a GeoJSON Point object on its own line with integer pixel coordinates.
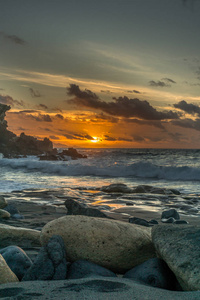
{"type": "Point", "coordinates": [179, 247]}
{"type": "Point", "coordinates": [112, 244]}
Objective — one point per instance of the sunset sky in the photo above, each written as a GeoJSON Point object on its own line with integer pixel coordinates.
{"type": "Point", "coordinates": [109, 73]}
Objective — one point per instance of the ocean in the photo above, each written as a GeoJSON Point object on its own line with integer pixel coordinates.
{"type": "Point", "coordinates": [164, 168]}
{"type": "Point", "coordinates": [168, 168]}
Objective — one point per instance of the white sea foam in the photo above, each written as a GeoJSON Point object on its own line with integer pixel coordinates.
{"type": "Point", "coordinates": [106, 168]}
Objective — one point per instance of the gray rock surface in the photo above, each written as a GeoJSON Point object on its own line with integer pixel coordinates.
{"type": "Point", "coordinates": [89, 289]}
{"type": "Point", "coordinates": [17, 260]}
{"type": "Point", "coordinates": [171, 213]}
{"type": "Point", "coordinates": [154, 272]}
{"type": "Point", "coordinates": [76, 208]}
{"type": "Point", "coordinates": [84, 268]}
{"type": "Point", "coordinates": [139, 221]}
{"type": "Point", "coordinates": [21, 237]}
{"type": "Point", "coordinates": [4, 214]}
{"type": "Point", "coordinates": [179, 247]}
{"type": "Point", "coordinates": [115, 245]}
{"type": "Point", "coordinates": [116, 188]}
{"type": "Point", "coordinates": [50, 264]}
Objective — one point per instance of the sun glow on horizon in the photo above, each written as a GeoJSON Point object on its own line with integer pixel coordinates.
{"type": "Point", "coordinates": [95, 139]}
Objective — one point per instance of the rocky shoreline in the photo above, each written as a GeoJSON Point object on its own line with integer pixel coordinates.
{"type": "Point", "coordinates": [80, 250]}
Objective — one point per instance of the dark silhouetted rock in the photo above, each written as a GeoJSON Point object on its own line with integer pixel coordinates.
{"type": "Point", "coordinates": [154, 272]}
{"type": "Point", "coordinates": [14, 212]}
{"type": "Point", "coordinates": [50, 264]}
{"type": "Point", "coordinates": [153, 222]}
{"type": "Point", "coordinates": [64, 155]}
{"type": "Point", "coordinates": [180, 222]}
{"type": "Point", "coordinates": [170, 213]}
{"type": "Point", "coordinates": [76, 208]}
{"type": "Point", "coordinates": [17, 260]}
{"type": "Point", "coordinates": [84, 268]}
{"type": "Point", "coordinates": [139, 221]}
{"type": "Point", "coordinates": [154, 190]}
{"type": "Point", "coordinates": [116, 188]}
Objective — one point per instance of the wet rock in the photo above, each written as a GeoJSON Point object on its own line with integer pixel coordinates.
{"type": "Point", "coordinates": [3, 202]}
{"type": "Point", "coordinates": [17, 260]}
{"type": "Point", "coordinates": [50, 264]}
{"type": "Point", "coordinates": [76, 208]}
{"type": "Point", "coordinates": [116, 188]}
{"type": "Point", "coordinates": [84, 268]}
{"type": "Point", "coordinates": [179, 247]}
{"type": "Point", "coordinates": [139, 221]}
{"type": "Point", "coordinates": [169, 220]}
{"type": "Point", "coordinates": [14, 212]}
{"type": "Point", "coordinates": [170, 213]}
{"type": "Point", "coordinates": [22, 237]}
{"type": "Point", "coordinates": [153, 222]}
{"type": "Point", "coordinates": [6, 275]}
{"type": "Point", "coordinates": [180, 222]}
{"type": "Point", "coordinates": [154, 272]}
{"type": "Point", "coordinates": [112, 244]}
{"type": "Point", "coordinates": [4, 214]}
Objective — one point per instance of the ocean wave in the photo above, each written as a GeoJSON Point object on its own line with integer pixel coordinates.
{"type": "Point", "coordinates": [141, 169]}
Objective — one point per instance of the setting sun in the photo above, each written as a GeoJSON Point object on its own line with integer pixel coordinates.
{"type": "Point", "coordinates": [95, 139]}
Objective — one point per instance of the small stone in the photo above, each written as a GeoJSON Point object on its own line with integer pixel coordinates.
{"type": "Point", "coordinates": [116, 188]}
{"type": "Point", "coordinates": [154, 222]}
{"type": "Point", "coordinates": [17, 260]}
{"type": "Point", "coordinates": [180, 222]}
{"type": "Point", "coordinates": [3, 202]}
{"type": "Point", "coordinates": [139, 221]}
{"type": "Point", "coordinates": [84, 268]}
{"type": "Point", "coordinates": [4, 214]}
{"type": "Point", "coordinates": [170, 213]}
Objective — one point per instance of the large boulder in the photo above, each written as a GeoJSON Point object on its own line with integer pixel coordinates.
{"type": "Point", "coordinates": [116, 188]}
{"type": "Point", "coordinates": [22, 237]}
{"type": "Point", "coordinates": [3, 202]}
{"type": "Point", "coordinates": [6, 275]}
{"type": "Point", "coordinates": [179, 247]}
{"type": "Point", "coordinates": [112, 244]}
{"type": "Point", "coordinates": [17, 260]}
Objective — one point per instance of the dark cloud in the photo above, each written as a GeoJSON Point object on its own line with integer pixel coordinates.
{"type": "Point", "coordinates": [2, 89]}
{"type": "Point", "coordinates": [34, 93]}
{"type": "Point", "coordinates": [10, 101]}
{"type": "Point", "coordinates": [53, 137]}
{"type": "Point", "coordinates": [158, 83]}
{"type": "Point", "coordinates": [187, 123]}
{"type": "Point", "coordinates": [133, 91]}
{"type": "Point", "coordinates": [114, 139]}
{"type": "Point", "coordinates": [27, 111]}
{"type": "Point", "coordinates": [41, 118]}
{"type": "Point", "coordinates": [46, 129]}
{"type": "Point", "coordinates": [138, 138]}
{"type": "Point", "coordinates": [59, 116]}
{"type": "Point", "coordinates": [188, 107]}
{"type": "Point", "coordinates": [12, 38]}
{"type": "Point", "coordinates": [169, 80]}
{"type": "Point", "coordinates": [106, 92]}
{"type": "Point", "coordinates": [78, 136]}
{"type": "Point", "coordinates": [57, 109]}
{"type": "Point", "coordinates": [121, 107]}
{"type": "Point", "coordinates": [42, 106]}
{"type": "Point", "coordinates": [21, 128]}
{"type": "Point", "coordinates": [157, 124]}
{"type": "Point", "coordinates": [103, 118]}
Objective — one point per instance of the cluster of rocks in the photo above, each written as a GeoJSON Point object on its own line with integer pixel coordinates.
{"type": "Point", "coordinates": [78, 246]}
{"type": "Point", "coordinates": [8, 210]}
{"type": "Point", "coordinates": [12, 146]}
{"type": "Point", "coordinates": [64, 155]}
{"type": "Point", "coordinates": [168, 216]}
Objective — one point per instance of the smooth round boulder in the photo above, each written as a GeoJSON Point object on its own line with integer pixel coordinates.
{"type": "Point", "coordinates": [4, 214]}
{"type": "Point", "coordinates": [115, 245]}
{"type": "Point", "coordinates": [3, 202]}
{"type": "Point", "coordinates": [170, 213]}
{"type": "Point", "coordinates": [17, 260]}
{"type": "Point", "coordinates": [6, 275]}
